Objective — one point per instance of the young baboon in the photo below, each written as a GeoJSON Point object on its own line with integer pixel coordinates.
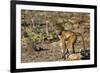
{"type": "Point", "coordinates": [68, 39]}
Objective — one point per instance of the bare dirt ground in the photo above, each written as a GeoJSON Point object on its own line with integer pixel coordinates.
{"type": "Point", "coordinates": [50, 52]}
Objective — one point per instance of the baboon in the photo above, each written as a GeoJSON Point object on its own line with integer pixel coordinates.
{"type": "Point", "coordinates": [68, 39]}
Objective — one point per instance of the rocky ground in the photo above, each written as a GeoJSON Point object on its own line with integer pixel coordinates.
{"type": "Point", "coordinates": [45, 53]}
{"type": "Point", "coordinates": [50, 52]}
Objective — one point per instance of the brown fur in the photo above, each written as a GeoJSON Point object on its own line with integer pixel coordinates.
{"type": "Point", "coordinates": [68, 39]}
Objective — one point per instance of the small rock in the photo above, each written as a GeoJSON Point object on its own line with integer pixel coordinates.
{"type": "Point", "coordinates": [74, 57]}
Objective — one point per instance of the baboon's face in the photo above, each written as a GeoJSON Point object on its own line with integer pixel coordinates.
{"type": "Point", "coordinates": [57, 29]}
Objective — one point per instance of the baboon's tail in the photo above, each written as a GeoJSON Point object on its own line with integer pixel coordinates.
{"type": "Point", "coordinates": [79, 34]}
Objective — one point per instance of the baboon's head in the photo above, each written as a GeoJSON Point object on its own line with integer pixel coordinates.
{"type": "Point", "coordinates": [58, 29]}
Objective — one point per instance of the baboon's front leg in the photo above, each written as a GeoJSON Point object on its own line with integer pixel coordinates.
{"type": "Point", "coordinates": [65, 50]}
